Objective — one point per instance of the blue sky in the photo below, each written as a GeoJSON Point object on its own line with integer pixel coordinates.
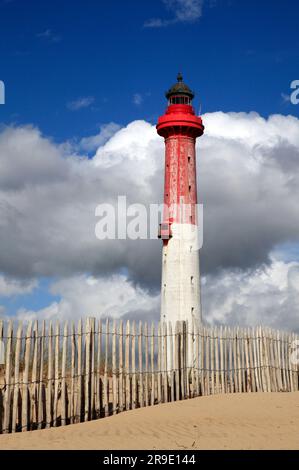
{"type": "Point", "coordinates": [70, 67]}
{"type": "Point", "coordinates": [238, 56]}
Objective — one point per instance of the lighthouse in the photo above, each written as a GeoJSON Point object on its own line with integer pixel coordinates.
{"type": "Point", "coordinates": [180, 289]}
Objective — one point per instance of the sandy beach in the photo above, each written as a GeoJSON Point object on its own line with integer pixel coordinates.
{"type": "Point", "coordinates": [238, 421]}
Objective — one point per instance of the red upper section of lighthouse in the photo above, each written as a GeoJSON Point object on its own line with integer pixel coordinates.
{"type": "Point", "coordinates": [180, 117]}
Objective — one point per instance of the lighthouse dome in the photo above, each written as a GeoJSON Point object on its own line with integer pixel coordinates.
{"type": "Point", "coordinates": [179, 88]}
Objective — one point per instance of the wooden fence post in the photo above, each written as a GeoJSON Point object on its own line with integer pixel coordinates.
{"type": "Point", "coordinates": [212, 359]}
{"type": "Point", "coordinates": [230, 359]}
{"type": "Point", "coordinates": [217, 367]}
{"type": "Point", "coordinates": [49, 401]}
{"type": "Point", "coordinates": [177, 360]}
{"type": "Point", "coordinates": [193, 359]}
{"type": "Point", "coordinates": [153, 364]}
{"type": "Point", "coordinates": [255, 359]}
{"type": "Point", "coordinates": [182, 360]}
{"type": "Point", "coordinates": [274, 387]}
{"type": "Point", "coordinates": [120, 362]}
{"type": "Point", "coordinates": [208, 359]}
{"type": "Point", "coordinates": [146, 364]}
{"type": "Point", "coordinates": [114, 370]}
{"type": "Point", "coordinates": [187, 358]}
{"type": "Point", "coordinates": [41, 378]}
{"type": "Point", "coordinates": [164, 362]}
{"type": "Point", "coordinates": [93, 384]}
{"type": "Point", "coordinates": [240, 358]}
{"type": "Point", "coordinates": [159, 341]}
{"type": "Point", "coordinates": [172, 372]}
{"type": "Point", "coordinates": [87, 371]}
{"type": "Point", "coordinates": [198, 363]}
{"type": "Point", "coordinates": [141, 404]}
{"type": "Point", "coordinates": [79, 414]}
{"type": "Point", "coordinates": [247, 384]}
{"type": "Point", "coordinates": [99, 384]}
{"type": "Point", "coordinates": [134, 381]}
{"type": "Point", "coordinates": [289, 339]}
{"type": "Point", "coordinates": [222, 364]}
{"type": "Point", "coordinates": [63, 376]}
{"type": "Point", "coordinates": [278, 362]}
{"type": "Point", "coordinates": [8, 367]}
{"type": "Point", "coordinates": [56, 381]}
{"type": "Point", "coordinates": [127, 366]}
{"type": "Point", "coordinates": [15, 404]}
{"type": "Point", "coordinates": [72, 413]}
{"type": "Point", "coordinates": [267, 362]}
{"type": "Point", "coordinates": [293, 364]}
{"type": "Point", "coordinates": [26, 390]}
{"type": "Point", "coordinates": [2, 362]}
{"type": "Point", "coordinates": [251, 359]}
{"type": "Point", "coordinates": [106, 381]}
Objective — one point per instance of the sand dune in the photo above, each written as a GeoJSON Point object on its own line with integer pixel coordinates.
{"type": "Point", "coordinates": [240, 421]}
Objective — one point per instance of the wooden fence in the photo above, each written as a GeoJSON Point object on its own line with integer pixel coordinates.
{"type": "Point", "coordinates": [62, 374]}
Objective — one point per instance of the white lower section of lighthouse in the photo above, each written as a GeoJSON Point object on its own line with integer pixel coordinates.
{"type": "Point", "coordinates": [180, 290]}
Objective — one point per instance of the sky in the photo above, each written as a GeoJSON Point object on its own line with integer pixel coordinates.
{"type": "Point", "coordinates": [84, 86]}
{"type": "Point", "coordinates": [238, 56]}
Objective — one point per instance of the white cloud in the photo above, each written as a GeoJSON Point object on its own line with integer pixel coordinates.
{"type": "Point", "coordinates": [10, 287]}
{"type": "Point", "coordinates": [137, 99]}
{"type": "Point", "coordinates": [155, 23]}
{"type": "Point", "coordinates": [84, 295]}
{"type": "Point", "coordinates": [285, 98]}
{"type": "Point", "coordinates": [253, 130]}
{"type": "Point", "coordinates": [266, 295]}
{"type": "Point", "coordinates": [49, 35]}
{"type": "Point", "coordinates": [93, 142]}
{"type": "Point", "coordinates": [138, 141]}
{"type": "Point", "coordinates": [183, 11]}
{"type": "Point", "coordinates": [248, 180]}
{"type": "Point", "coordinates": [80, 103]}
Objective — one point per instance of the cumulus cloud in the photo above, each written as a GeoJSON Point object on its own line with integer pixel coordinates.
{"type": "Point", "coordinates": [92, 142]}
{"type": "Point", "coordinates": [28, 159]}
{"type": "Point", "coordinates": [266, 295]}
{"type": "Point", "coordinates": [183, 11]}
{"type": "Point", "coordinates": [137, 99]}
{"type": "Point", "coordinates": [247, 180]}
{"type": "Point", "coordinates": [49, 35]}
{"type": "Point", "coordinates": [285, 97]}
{"type": "Point", "coordinates": [48, 200]}
{"type": "Point", "coordinates": [10, 287]}
{"type": "Point", "coordinates": [112, 297]}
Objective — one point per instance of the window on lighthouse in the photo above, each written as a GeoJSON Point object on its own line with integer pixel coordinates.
{"type": "Point", "coordinates": [180, 100]}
